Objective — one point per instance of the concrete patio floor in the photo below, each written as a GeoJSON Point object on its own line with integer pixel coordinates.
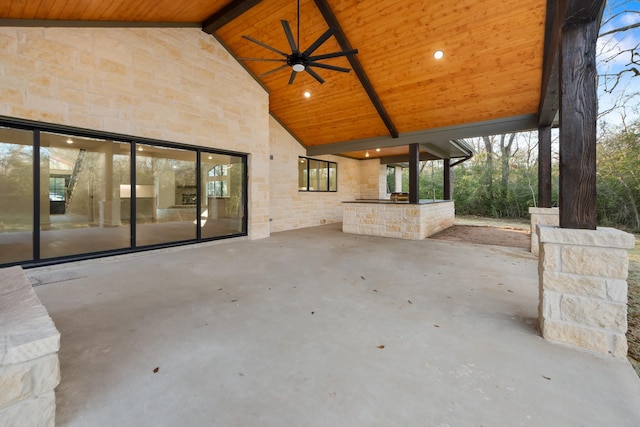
{"type": "Point", "coordinates": [315, 327]}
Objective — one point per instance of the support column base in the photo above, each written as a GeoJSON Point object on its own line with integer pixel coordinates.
{"type": "Point", "coordinates": [583, 288]}
{"type": "Point", "coordinates": [541, 216]}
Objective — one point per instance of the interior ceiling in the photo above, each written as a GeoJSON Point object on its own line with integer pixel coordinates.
{"type": "Point", "coordinates": [489, 80]}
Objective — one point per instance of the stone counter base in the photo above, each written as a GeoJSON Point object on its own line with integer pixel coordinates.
{"type": "Point", "coordinates": [29, 344]}
{"type": "Point", "coordinates": [402, 221]}
{"type": "Point", "coordinates": [583, 288]}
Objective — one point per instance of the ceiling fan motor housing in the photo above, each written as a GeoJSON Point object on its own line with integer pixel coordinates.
{"type": "Point", "coordinates": [298, 61]}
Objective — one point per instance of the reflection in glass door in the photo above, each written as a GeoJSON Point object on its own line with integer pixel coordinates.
{"type": "Point", "coordinates": [81, 208]}
{"type": "Point", "coordinates": [165, 195]}
{"type": "Point", "coordinates": [222, 197]}
{"type": "Point", "coordinates": [16, 200]}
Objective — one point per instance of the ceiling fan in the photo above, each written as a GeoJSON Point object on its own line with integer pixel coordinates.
{"type": "Point", "coordinates": [301, 61]}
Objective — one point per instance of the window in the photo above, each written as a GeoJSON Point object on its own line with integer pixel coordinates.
{"type": "Point", "coordinates": [98, 194]}
{"type": "Point", "coordinates": [217, 185]}
{"type": "Point", "coordinates": [317, 175]}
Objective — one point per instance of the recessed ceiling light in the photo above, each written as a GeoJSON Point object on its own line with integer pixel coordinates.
{"type": "Point", "coordinates": [307, 94]}
{"type": "Point", "coordinates": [139, 148]}
{"type": "Point", "coordinates": [378, 150]}
{"type": "Point", "coordinates": [366, 154]}
{"type": "Point", "coordinates": [69, 141]}
{"type": "Point", "coordinates": [210, 157]}
{"type": "Point", "coordinates": [438, 54]}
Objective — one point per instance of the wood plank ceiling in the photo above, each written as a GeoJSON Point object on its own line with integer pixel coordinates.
{"type": "Point", "coordinates": [491, 72]}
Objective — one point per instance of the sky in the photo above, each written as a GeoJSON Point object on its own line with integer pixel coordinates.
{"type": "Point", "coordinates": [614, 55]}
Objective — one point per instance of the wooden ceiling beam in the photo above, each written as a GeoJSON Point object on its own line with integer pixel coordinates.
{"type": "Point", "coordinates": [227, 14]}
{"type": "Point", "coordinates": [560, 13]}
{"type": "Point", "coordinates": [332, 21]}
{"type": "Point", "coordinates": [442, 134]}
{"type": "Point", "coordinates": [549, 96]}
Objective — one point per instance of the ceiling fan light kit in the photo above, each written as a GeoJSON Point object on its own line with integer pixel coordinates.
{"type": "Point", "coordinates": [301, 61]}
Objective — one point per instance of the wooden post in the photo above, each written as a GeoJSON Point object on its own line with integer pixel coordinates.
{"type": "Point", "coordinates": [578, 109]}
{"type": "Point", "coordinates": [446, 185]}
{"type": "Point", "coordinates": [414, 173]}
{"type": "Point", "coordinates": [544, 167]}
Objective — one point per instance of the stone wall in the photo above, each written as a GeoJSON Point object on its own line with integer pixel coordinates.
{"type": "Point", "coordinates": [29, 344]}
{"type": "Point", "coordinates": [399, 220]}
{"type": "Point", "coordinates": [171, 84]}
{"type": "Point", "coordinates": [583, 288]}
{"type": "Point", "coordinates": [541, 216]}
{"type": "Point", "coordinates": [290, 208]}
{"type": "Point", "coordinates": [370, 180]}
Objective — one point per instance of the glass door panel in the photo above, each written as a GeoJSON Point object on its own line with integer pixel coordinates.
{"type": "Point", "coordinates": [222, 198]}
{"type": "Point", "coordinates": [16, 200]}
{"type": "Point", "coordinates": [165, 195]}
{"type": "Point", "coordinates": [81, 208]}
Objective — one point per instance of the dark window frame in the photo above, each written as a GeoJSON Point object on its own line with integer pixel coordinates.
{"type": "Point", "coordinates": [308, 180]}
{"type": "Point", "coordinates": [37, 127]}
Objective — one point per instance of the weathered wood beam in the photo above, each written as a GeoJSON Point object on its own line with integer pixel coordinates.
{"type": "Point", "coordinates": [447, 180]}
{"type": "Point", "coordinates": [583, 11]}
{"type": "Point", "coordinates": [544, 167]}
{"type": "Point", "coordinates": [414, 173]}
{"type": "Point", "coordinates": [549, 96]}
{"type": "Point", "coordinates": [332, 21]}
{"type": "Point", "coordinates": [578, 110]}
{"type": "Point", "coordinates": [227, 14]}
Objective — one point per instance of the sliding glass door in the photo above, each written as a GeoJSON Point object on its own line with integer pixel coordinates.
{"type": "Point", "coordinates": [16, 200]}
{"type": "Point", "coordinates": [69, 194]}
{"type": "Point", "coordinates": [80, 195]}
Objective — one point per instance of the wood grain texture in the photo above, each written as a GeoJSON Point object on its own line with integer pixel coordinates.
{"type": "Point", "coordinates": [492, 66]}
{"type": "Point", "coordinates": [578, 110]}
{"type": "Point", "coordinates": [112, 10]}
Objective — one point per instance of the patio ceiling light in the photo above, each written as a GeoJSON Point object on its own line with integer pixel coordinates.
{"type": "Point", "coordinates": [438, 54]}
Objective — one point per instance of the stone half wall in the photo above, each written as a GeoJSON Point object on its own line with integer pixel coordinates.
{"type": "Point", "coordinates": [583, 288]}
{"type": "Point", "coordinates": [401, 220]}
{"type": "Point", "coordinates": [290, 208]}
{"type": "Point", "coordinates": [172, 84]}
{"type": "Point", "coordinates": [29, 344]}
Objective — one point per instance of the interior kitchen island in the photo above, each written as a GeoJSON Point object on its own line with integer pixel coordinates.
{"type": "Point", "coordinates": [399, 219]}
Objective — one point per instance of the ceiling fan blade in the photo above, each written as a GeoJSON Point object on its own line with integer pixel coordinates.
{"type": "Point", "coordinates": [262, 59]}
{"type": "Point", "coordinates": [333, 55]}
{"type": "Point", "coordinates": [293, 76]}
{"type": "Point", "coordinates": [316, 44]}
{"type": "Point", "coordinates": [289, 34]}
{"type": "Point", "coordinates": [266, 46]}
{"type": "Point", "coordinates": [273, 71]}
{"type": "Point", "coordinates": [329, 67]}
{"type": "Point", "coordinates": [314, 75]}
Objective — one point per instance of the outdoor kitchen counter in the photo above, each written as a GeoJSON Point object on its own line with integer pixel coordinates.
{"type": "Point", "coordinates": [399, 219]}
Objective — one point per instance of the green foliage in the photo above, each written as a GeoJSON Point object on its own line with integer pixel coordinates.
{"type": "Point", "coordinates": [618, 177]}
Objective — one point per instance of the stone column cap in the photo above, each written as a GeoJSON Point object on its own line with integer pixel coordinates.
{"type": "Point", "coordinates": [26, 331]}
{"type": "Point", "coordinates": [533, 210]}
{"type": "Point", "coordinates": [605, 237]}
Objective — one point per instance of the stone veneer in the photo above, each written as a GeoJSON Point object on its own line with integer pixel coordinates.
{"type": "Point", "coordinates": [29, 344]}
{"type": "Point", "coordinates": [171, 84]}
{"type": "Point", "coordinates": [399, 220]}
{"type": "Point", "coordinates": [290, 208]}
{"type": "Point", "coordinates": [583, 288]}
{"type": "Point", "coordinates": [542, 216]}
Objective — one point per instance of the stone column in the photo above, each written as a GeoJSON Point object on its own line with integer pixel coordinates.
{"type": "Point", "coordinates": [542, 216]}
{"type": "Point", "coordinates": [583, 288]}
